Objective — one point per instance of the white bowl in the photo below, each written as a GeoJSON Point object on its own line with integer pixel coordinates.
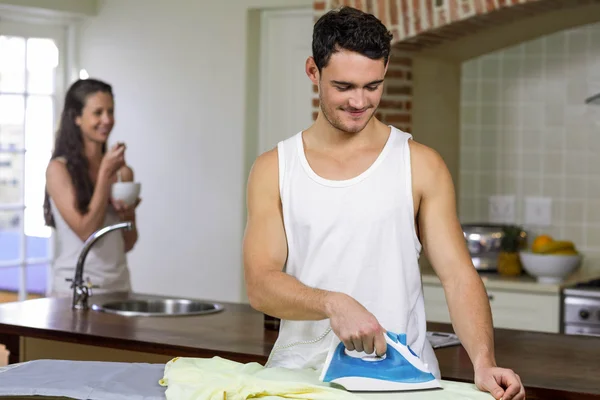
{"type": "Point", "coordinates": [127, 192]}
{"type": "Point", "coordinates": [549, 268]}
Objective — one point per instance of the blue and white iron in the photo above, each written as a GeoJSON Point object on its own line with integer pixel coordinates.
{"type": "Point", "coordinates": [399, 369]}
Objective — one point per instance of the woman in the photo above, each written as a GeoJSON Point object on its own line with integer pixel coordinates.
{"type": "Point", "coordinates": [78, 186]}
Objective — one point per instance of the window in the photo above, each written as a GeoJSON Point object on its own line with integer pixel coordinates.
{"type": "Point", "coordinates": [31, 82]}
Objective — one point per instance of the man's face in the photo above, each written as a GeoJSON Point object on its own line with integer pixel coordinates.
{"type": "Point", "coordinates": [350, 88]}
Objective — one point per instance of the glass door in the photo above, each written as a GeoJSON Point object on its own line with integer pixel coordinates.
{"type": "Point", "coordinates": [32, 71]}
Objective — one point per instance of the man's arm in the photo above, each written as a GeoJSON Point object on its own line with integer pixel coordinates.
{"type": "Point", "coordinates": [444, 246]}
{"type": "Point", "coordinates": [276, 293]}
{"type": "Point", "coordinates": [269, 289]}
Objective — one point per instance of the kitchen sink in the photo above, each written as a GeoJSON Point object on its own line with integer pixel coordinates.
{"type": "Point", "coordinates": [158, 307]}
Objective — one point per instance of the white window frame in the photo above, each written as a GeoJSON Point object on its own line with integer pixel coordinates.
{"type": "Point", "coordinates": [63, 31]}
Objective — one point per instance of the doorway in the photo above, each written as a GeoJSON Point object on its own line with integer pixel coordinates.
{"type": "Point", "coordinates": [285, 92]}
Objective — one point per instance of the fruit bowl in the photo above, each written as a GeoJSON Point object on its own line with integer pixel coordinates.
{"type": "Point", "coordinates": [549, 268]}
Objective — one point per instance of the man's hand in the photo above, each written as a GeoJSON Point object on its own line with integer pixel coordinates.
{"type": "Point", "coordinates": [356, 327]}
{"type": "Point", "coordinates": [502, 383]}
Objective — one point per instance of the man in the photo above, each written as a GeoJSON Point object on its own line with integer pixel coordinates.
{"type": "Point", "coordinates": [346, 206]}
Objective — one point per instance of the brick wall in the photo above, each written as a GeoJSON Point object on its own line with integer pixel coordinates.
{"type": "Point", "coordinates": [396, 102]}
{"type": "Point", "coordinates": [407, 18]}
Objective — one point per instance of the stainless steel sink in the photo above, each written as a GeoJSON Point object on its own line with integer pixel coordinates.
{"type": "Point", "coordinates": [158, 307]}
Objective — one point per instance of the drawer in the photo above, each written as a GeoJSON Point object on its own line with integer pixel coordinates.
{"type": "Point", "coordinates": [525, 311]}
{"type": "Point", "coordinates": [436, 308]}
{"type": "Point", "coordinates": [510, 309]}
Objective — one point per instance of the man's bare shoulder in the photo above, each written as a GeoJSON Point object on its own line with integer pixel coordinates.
{"type": "Point", "coordinates": [268, 159]}
{"type": "Point", "coordinates": [428, 167]}
{"type": "Point", "coordinates": [425, 159]}
{"type": "Point", "coordinates": [265, 164]}
{"type": "Point", "coordinates": [264, 175]}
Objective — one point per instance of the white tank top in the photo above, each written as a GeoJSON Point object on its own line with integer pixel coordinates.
{"type": "Point", "coordinates": [105, 264]}
{"type": "Point", "coordinates": [355, 236]}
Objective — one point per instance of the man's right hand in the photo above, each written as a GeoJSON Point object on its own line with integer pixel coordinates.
{"type": "Point", "coordinates": [356, 327]}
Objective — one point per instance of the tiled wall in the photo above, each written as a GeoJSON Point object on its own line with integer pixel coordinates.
{"type": "Point", "coordinates": [525, 131]}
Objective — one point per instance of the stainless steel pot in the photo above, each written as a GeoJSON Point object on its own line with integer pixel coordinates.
{"type": "Point", "coordinates": [484, 243]}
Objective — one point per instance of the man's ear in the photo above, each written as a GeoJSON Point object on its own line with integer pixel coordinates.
{"type": "Point", "coordinates": [312, 71]}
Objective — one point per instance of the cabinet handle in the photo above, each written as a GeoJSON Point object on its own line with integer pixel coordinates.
{"type": "Point", "coordinates": [490, 297]}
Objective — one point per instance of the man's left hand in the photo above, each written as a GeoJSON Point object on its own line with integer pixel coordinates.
{"type": "Point", "coordinates": [502, 383]}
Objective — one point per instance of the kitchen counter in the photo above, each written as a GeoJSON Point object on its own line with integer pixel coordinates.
{"type": "Point", "coordinates": [550, 365]}
{"type": "Point", "coordinates": [522, 283]}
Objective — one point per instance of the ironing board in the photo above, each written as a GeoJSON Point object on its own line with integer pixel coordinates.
{"type": "Point", "coordinates": [93, 380]}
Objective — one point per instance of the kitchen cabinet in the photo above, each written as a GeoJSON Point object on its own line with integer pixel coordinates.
{"type": "Point", "coordinates": [511, 309]}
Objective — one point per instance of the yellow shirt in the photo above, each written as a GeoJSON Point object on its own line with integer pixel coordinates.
{"type": "Point", "coordinates": [220, 379]}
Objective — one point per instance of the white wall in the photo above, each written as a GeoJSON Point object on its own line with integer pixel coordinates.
{"type": "Point", "coordinates": [178, 69]}
{"type": "Point", "coordinates": [51, 7]}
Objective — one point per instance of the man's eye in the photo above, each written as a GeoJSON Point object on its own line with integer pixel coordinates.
{"type": "Point", "coordinates": [372, 88]}
{"type": "Point", "coordinates": [342, 88]}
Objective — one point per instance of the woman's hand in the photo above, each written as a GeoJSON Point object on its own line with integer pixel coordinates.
{"type": "Point", "coordinates": [113, 160]}
{"type": "Point", "coordinates": [125, 212]}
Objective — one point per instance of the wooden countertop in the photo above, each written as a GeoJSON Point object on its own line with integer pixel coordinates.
{"type": "Point", "coordinates": [237, 332]}
{"type": "Point", "coordinates": [547, 363]}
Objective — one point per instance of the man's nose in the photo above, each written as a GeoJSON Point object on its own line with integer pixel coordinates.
{"type": "Point", "coordinates": [357, 100]}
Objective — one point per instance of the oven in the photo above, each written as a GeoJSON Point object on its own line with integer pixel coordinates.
{"type": "Point", "coordinates": [581, 309]}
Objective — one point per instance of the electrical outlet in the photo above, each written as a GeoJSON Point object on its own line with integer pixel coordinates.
{"type": "Point", "coordinates": [502, 209]}
{"type": "Point", "coordinates": [538, 211]}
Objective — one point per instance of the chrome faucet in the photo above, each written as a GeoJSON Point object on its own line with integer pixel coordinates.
{"type": "Point", "coordinates": [82, 289]}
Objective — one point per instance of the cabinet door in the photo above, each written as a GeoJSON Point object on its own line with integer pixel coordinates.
{"type": "Point", "coordinates": [510, 309]}
{"type": "Point", "coordinates": [436, 308]}
{"type": "Point", "coordinates": [525, 311]}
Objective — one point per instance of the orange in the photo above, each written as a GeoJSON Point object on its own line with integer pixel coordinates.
{"type": "Point", "coordinates": [540, 242]}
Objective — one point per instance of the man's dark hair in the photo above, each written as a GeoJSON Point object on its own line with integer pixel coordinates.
{"type": "Point", "coordinates": [347, 28]}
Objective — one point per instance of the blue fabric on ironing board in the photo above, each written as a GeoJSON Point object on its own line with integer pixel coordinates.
{"type": "Point", "coordinates": [91, 380]}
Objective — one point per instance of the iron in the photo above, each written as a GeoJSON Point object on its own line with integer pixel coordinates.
{"type": "Point", "coordinates": [399, 369]}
